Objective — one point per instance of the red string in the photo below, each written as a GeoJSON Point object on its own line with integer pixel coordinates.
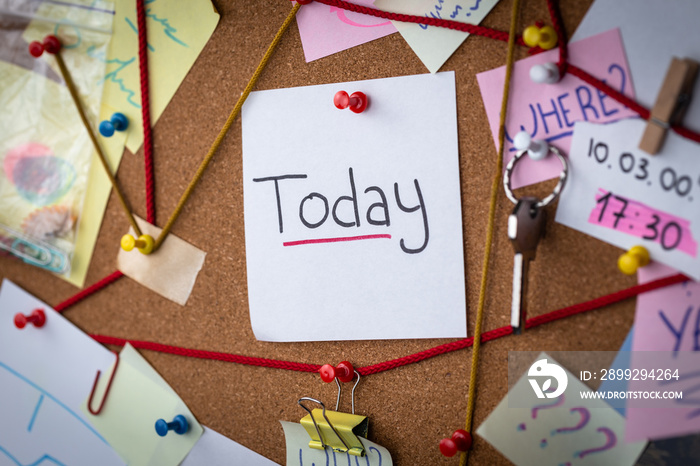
{"type": "Point", "coordinates": [146, 113]}
{"type": "Point", "coordinates": [429, 21]}
{"type": "Point", "coordinates": [558, 26]}
{"type": "Point", "coordinates": [406, 360]}
{"type": "Point", "coordinates": [75, 299]}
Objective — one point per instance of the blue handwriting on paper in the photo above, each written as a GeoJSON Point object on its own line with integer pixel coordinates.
{"type": "Point", "coordinates": [375, 461]}
{"type": "Point", "coordinates": [437, 8]}
{"type": "Point", "coordinates": [168, 29]}
{"type": "Point", "coordinates": [39, 462]}
{"type": "Point", "coordinates": [550, 120]}
{"type": "Point", "coordinates": [113, 76]}
{"type": "Point", "coordinates": [678, 332]}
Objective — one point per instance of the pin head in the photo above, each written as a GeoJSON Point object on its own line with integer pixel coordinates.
{"type": "Point", "coordinates": [179, 425]}
{"type": "Point", "coordinates": [144, 243]}
{"type": "Point", "coordinates": [118, 122]}
{"type": "Point", "coordinates": [51, 45]}
{"type": "Point", "coordinates": [37, 318]}
{"type": "Point", "coordinates": [356, 102]}
{"type": "Point", "coordinates": [544, 37]}
{"type": "Point", "coordinates": [632, 260]}
{"type": "Point", "coordinates": [344, 371]}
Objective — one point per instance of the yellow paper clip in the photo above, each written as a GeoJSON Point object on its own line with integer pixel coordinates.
{"type": "Point", "coordinates": [333, 429]}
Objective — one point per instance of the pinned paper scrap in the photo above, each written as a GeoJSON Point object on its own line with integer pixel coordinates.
{"type": "Point", "coordinates": [213, 449]}
{"type": "Point", "coordinates": [649, 54]}
{"type": "Point", "coordinates": [326, 30]}
{"type": "Point", "coordinates": [45, 374]}
{"type": "Point", "coordinates": [621, 195]}
{"type": "Point", "coordinates": [549, 111]}
{"type": "Point", "coordinates": [667, 322]}
{"type": "Point", "coordinates": [568, 429]}
{"type": "Point", "coordinates": [171, 271]}
{"type": "Point", "coordinates": [177, 33]}
{"type": "Point", "coordinates": [138, 397]}
{"type": "Point", "coordinates": [432, 44]}
{"type": "Point", "coordinates": [357, 217]}
{"type": "Point", "coordinates": [299, 453]}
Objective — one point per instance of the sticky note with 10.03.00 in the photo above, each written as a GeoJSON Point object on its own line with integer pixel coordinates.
{"type": "Point", "coordinates": [353, 221]}
{"type": "Point", "coordinates": [620, 194]}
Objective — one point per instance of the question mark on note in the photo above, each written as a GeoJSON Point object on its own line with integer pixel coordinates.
{"type": "Point", "coordinates": [610, 442]}
{"type": "Point", "coordinates": [474, 8]}
{"type": "Point", "coordinates": [585, 417]}
{"type": "Point", "coordinates": [558, 402]}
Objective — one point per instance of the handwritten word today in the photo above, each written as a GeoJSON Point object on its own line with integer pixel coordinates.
{"type": "Point", "coordinates": [315, 208]}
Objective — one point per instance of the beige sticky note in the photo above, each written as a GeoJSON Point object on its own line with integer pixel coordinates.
{"type": "Point", "coordinates": [170, 271]}
{"type": "Point", "coordinates": [138, 397]}
{"type": "Point", "coordinates": [177, 32]}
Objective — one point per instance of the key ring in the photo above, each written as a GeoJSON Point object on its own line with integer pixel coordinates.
{"type": "Point", "coordinates": [557, 189]}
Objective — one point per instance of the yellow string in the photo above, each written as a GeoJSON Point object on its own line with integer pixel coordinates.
{"type": "Point", "coordinates": [224, 130]}
{"type": "Point", "coordinates": [495, 186]}
{"type": "Point", "coordinates": [76, 99]}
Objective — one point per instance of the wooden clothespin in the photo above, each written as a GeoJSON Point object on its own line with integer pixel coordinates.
{"type": "Point", "coordinates": [671, 103]}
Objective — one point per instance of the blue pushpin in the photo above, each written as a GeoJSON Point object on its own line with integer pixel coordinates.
{"type": "Point", "coordinates": [179, 425]}
{"type": "Point", "coordinates": [118, 122]}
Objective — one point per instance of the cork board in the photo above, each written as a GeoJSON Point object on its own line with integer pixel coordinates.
{"type": "Point", "coordinates": [410, 408]}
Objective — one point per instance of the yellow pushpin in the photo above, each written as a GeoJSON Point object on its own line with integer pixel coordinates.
{"type": "Point", "coordinates": [545, 37]}
{"type": "Point", "coordinates": [144, 244]}
{"type": "Point", "coordinates": [636, 257]}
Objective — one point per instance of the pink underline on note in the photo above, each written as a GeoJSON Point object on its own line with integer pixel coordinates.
{"type": "Point", "coordinates": [334, 240]}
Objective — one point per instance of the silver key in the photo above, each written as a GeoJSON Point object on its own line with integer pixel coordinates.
{"type": "Point", "coordinates": [525, 228]}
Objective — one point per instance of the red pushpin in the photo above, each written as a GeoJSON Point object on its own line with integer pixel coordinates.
{"type": "Point", "coordinates": [51, 45]}
{"type": "Point", "coordinates": [37, 318]}
{"type": "Point", "coordinates": [357, 101]}
{"type": "Point", "coordinates": [461, 441]}
{"type": "Point", "coordinates": [344, 372]}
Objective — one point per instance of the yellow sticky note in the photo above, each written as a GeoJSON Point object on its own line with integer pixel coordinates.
{"type": "Point", "coordinates": [177, 32]}
{"type": "Point", "coordinates": [171, 271]}
{"type": "Point", "coordinates": [137, 399]}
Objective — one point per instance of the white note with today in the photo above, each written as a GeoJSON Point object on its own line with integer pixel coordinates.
{"type": "Point", "coordinates": [353, 221]}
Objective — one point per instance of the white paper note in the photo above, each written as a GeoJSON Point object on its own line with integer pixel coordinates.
{"type": "Point", "coordinates": [299, 453]}
{"type": "Point", "coordinates": [432, 44]}
{"type": "Point", "coordinates": [45, 374]}
{"type": "Point", "coordinates": [213, 449]}
{"type": "Point", "coordinates": [353, 221]}
{"type": "Point", "coordinates": [621, 195]}
{"type": "Point", "coordinates": [649, 55]}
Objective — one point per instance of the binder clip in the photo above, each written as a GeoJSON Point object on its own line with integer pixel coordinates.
{"type": "Point", "coordinates": [671, 103]}
{"type": "Point", "coordinates": [333, 429]}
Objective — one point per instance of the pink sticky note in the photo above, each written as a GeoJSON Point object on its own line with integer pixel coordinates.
{"type": "Point", "coordinates": [667, 321]}
{"type": "Point", "coordinates": [326, 30]}
{"type": "Point", "coordinates": [640, 220]}
{"type": "Point", "coordinates": [548, 111]}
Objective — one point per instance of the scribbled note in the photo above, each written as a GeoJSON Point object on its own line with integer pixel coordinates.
{"type": "Point", "coordinates": [300, 454]}
{"type": "Point", "coordinates": [567, 430]}
{"type": "Point", "coordinates": [667, 324]}
{"type": "Point", "coordinates": [435, 45]}
{"type": "Point", "coordinates": [549, 112]}
{"type": "Point", "coordinates": [177, 33]}
{"type": "Point", "coordinates": [623, 196]}
{"type": "Point", "coordinates": [45, 374]}
{"type": "Point", "coordinates": [326, 30]}
{"type": "Point", "coordinates": [350, 218]}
